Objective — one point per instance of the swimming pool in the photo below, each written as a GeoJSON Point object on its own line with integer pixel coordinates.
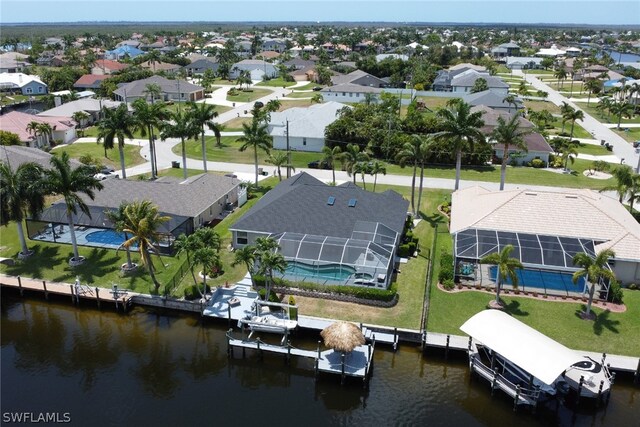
{"type": "Point", "coordinates": [326, 272]}
{"type": "Point", "coordinates": [106, 237]}
{"type": "Point", "coordinates": [553, 282]}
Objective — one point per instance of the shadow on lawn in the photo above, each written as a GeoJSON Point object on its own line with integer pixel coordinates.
{"type": "Point", "coordinates": [99, 263]}
{"type": "Point", "coordinates": [601, 322]}
{"type": "Point", "coordinates": [513, 308]}
{"type": "Point", "coordinates": [43, 258]}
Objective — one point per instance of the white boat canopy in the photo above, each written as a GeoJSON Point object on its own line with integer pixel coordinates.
{"type": "Point", "coordinates": [520, 344]}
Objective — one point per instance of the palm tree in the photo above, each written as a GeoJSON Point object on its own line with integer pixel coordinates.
{"type": "Point", "coordinates": [80, 117]}
{"type": "Point", "coordinates": [622, 109]}
{"type": "Point", "coordinates": [280, 159]}
{"type": "Point", "coordinates": [269, 262]}
{"type": "Point", "coordinates": [148, 117]}
{"type": "Point", "coordinates": [350, 159]}
{"type": "Point", "coordinates": [572, 116]}
{"type": "Point", "coordinates": [633, 193]}
{"type": "Point", "coordinates": [32, 129]}
{"type": "Point", "coordinates": [117, 219]}
{"type": "Point", "coordinates": [142, 220]}
{"type": "Point", "coordinates": [426, 143]}
{"type": "Point", "coordinates": [569, 153]}
{"type": "Point", "coordinates": [560, 74]}
{"type": "Point", "coordinates": [506, 266]}
{"type": "Point", "coordinates": [623, 175]}
{"type": "Point", "coordinates": [510, 135]}
{"type": "Point", "coordinates": [511, 100]}
{"type": "Point", "coordinates": [565, 110]}
{"type": "Point", "coordinates": [594, 271]}
{"type": "Point", "coordinates": [217, 129]}
{"type": "Point", "coordinates": [247, 256]}
{"type": "Point", "coordinates": [69, 183]}
{"type": "Point", "coordinates": [180, 126]}
{"type": "Point", "coordinates": [152, 90]}
{"type": "Point", "coordinates": [187, 245]}
{"type": "Point", "coordinates": [202, 116]}
{"type": "Point", "coordinates": [461, 129]}
{"type": "Point", "coordinates": [330, 156]}
{"type": "Point", "coordinates": [255, 136]}
{"type": "Point", "coordinates": [363, 169]}
{"type": "Point", "coordinates": [208, 258]}
{"type": "Point", "coordinates": [153, 58]}
{"type": "Point", "coordinates": [117, 124]}
{"type": "Point", "coordinates": [45, 130]}
{"type": "Point", "coordinates": [409, 154]}
{"type": "Point", "coordinates": [376, 168]}
{"type": "Point", "coordinates": [20, 194]}
{"type": "Point", "coordinates": [593, 86]}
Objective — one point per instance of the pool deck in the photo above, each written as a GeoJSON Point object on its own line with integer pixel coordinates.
{"type": "Point", "coordinates": [81, 237]}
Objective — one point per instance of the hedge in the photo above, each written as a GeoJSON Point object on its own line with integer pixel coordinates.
{"type": "Point", "coordinates": [446, 267]}
{"type": "Point", "coordinates": [192, 292]}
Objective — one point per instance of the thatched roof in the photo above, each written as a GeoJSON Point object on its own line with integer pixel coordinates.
{"type": "Point", "coordinates": [342, 336]}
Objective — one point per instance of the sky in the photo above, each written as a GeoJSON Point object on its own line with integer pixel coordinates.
{"type": "Point", "coordinates": [596, 12]}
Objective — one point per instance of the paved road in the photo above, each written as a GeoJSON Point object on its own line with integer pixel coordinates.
{"type": "Point", "coordinates": [621, 148]}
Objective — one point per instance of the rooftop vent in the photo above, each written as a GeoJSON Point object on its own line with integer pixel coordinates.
{"type": "Point", "coordinates": [571, 196]}
{"type": "Point", "coordinates": [331, 200]}
{"type": "Point", "coordinates": [352, 203]}
{"type": "Point", "coordinates": [529, 193]}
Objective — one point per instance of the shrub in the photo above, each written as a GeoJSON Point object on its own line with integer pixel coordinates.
{"type": "Point", "coordinates": [448, 284]}
{"type": "Point", "coordinates": [408, 236]}
{"type": "Point", "coordinates": [446, 267]}
{"type": "Point", "coordinates": [192, 292]}
{"type": "Point", "coordinates": [615, 293]}
{"type": "Point", "coordinates": [633, 286]}
{"type": "Point", "coordinates": [376, 294]}
{"type": "Point", "coordinates": [538, 163]}
{"type": "Point", "coordinates": [404, 251]}
{"type": "Point", "coordinates": [293, 312]}
{"type": "Point", "coordinates": [412, 248]}
{"type": "Point", "coordinates": [273, 297]}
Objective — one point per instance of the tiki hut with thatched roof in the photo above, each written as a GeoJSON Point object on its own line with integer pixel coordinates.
{"type": "Point", "coordinates": [342, 336]}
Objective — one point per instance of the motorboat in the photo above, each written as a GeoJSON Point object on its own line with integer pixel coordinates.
{"type": "Point", "coordinates": [271, 322]}
{"type": "Point", "coordinates": [520, 359]}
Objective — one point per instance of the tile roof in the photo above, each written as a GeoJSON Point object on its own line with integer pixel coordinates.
{"type": "Point", "coordinates": [17, 122]}
{"type": "Point", "coordinates": [107, 64]}
{"type": "Point", "coordinates": [582, 214]}
{"type": "Point", "coordinates": [299, 205]}
{"type": "Point", "coordinates": [90, 81]}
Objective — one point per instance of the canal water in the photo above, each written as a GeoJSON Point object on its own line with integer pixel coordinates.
{"type": "Point", "coordinates": [147, 369]}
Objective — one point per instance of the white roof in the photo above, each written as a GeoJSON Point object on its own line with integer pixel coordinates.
{"type": "Point", "coordinates": [584, 214]}
{"type": "Point", "coordinates": [18, 79]}
{"type": "Point", "coordinates": [522, 345]}
{"type": "Point", "coordinates": [305, 122]}
{"type": "Point", "coordinates": [88, 105]}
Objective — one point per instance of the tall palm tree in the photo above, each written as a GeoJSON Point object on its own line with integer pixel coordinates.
{"type": "Point", "coordinates": [32, 129]}
{"type": "Point", "coordinates": [572, 117]}
{"type": "Point", "coordinates": [180, 126]}
{"type": "Point", "coordinates": [461, 129]}
{"type": "Point", "coordinates": [424, 152]}
{"type": "Point", "coordinates": [208, 258]}
{"type": "Point", "coordinates": [511, 100]}
{"type": "Point", "coordinates": [187, 245]}
{"type": "Point", "coordinates": [152, 90]}
{"type": "Point", "coordinates": [409, 154]}
{"type": "Point", "coordinates": [142, 220]}
{"type": "Point", "coordinates": [117, 218]}
{"type": "Point", "coordinates": [247, 256]}
{"type": "Point", "coordinates": [45, 130]}
{"type": "Point", "coordinates": [202, 116]}
{"type": "Point", "coordinates": [377, 167]}
{"type": "Point", "coordinates": [621, 109]}
{"type": "Point", "coordinates": [633, 193]}
{"type": "Point", "coordinates": [148, 117]}
{"type": "Point", "coordinates": [593, 86]}
{"type": "Point", "coordinates": [217, 129]}
{"type": "Point", "coordinates": [594, 270]}
{"type": "Point", "coordinates": [117, 124]}
{"type": "Point", "coordinates": [269, 262]}
{"type": "Point", "coordinates": [509, 134]}
{"type": "Point", "coordinates": [560, 74]}
{"type": "Point", "coordinates": [330, 156]}
{"type": "Point", "coordinates": [69, 183]}
{"type": "Point", "coordinates": [565, 110]}
{"type": "Point", "coordinates": [507, 268]}
{"type": "Point", "coordinates": [350, 159]}
{"type": "Point", "coordinates": [21, 194]}
{"type": "Point", "coordinates": [80, 117]}
{"type": "Point", "coordinates": [569, 153]}
{"type": "Point", "coordinates": [255, 136]}
{"type": "Point", "coordinates": [280, 159]}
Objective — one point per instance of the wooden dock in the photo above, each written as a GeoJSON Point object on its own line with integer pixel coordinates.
{"type": "Point", "coordinates": [354, 364]}
{"type": "Point", "coordinates": [121, 298]}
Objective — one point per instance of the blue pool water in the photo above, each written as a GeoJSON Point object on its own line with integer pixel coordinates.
{"type": "Point", "coordinates": [106, 237]}
{"type": "Point", "coordinates": [327, 272]}
{"type": "Point", "coordinates": [543, 280]}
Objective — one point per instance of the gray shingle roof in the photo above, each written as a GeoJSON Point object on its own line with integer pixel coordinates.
{"type": "Point", "coordinates": [299, 205]}
{"type": "Point", "coordinates": [137, 88]}
{"type": "Point", "coordinates": [468, 80]}
{"type": "Point", "coordinates": [489, 98]}
{"type": "Point", "coordinates": [16, 155]}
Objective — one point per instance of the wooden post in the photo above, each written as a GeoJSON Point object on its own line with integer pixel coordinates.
{"type": "Point", "coordinates": [73, 298]}
{"type": "Point", "coordinates": [342, 369]}
{"type": "Point", "coordinates": [599, 399]}
{"type": "Point", "coordinates": [319, 349]}
{"type": "Point", "coordinates": [446, 349]}
{"type": "Point", "coordinates": [229, 350]}
{"type": "Point", "coordinates": [288, 352]}
{"type": "Point", "coordinates": [395, 338]}
{"type": "Point", "coordinates": [580, 385]}
{"type": "Point", "coordinates": [636, 375]}
{"type": "Point", "coordinates": [316, 368]}
{"type": "Point", "coordinates": [470, 345]}
{"type": "Point", "coordinates": [604, 356]}
{"type": "Point", "coordinates": [494, 381]}
{"type": "Point", "coordinates": [98, 296]}
{"type": "Point", "coordinates": [259, 351]}
{"type": "Point", "coordinates": [229, 313]}
{"type": "Point", "coordinates": [20, 286]}
{"type": "Point", "coordinates": [471, 367]}
{"type": "Point", "coordinates": [517, 398]}
{"type": "Point", "coordinates": [46, 293]}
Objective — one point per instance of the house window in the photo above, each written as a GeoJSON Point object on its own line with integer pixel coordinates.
{"type": "Point", "coordinates": [39, 89]}
{"type": "Point", "coordinates": [29, 90]}
{"type": "Point", "coordinates": [241, 238]}
{"type": "Point", "coordinates": [304, 141]}
{"type": "Point", "coordinates": [344, 94]}
{"type": "Point", "coordinates": [350, 95]}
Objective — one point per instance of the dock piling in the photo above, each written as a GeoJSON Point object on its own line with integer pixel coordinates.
{"type": "Point", "coordinates": [319, 355]}
{"type": "Point", "coordinates": [599, 399]}
{"type": "Point", "coordinates": [636, 375]}
{"type": "Point", "coordinates": [98, 296]}
{"type": "Point", "coordinates": [446, 348]}
{"type": "Point", "coordinates": [229, 313]}
{"type": "Point", "coordinates": [580, 385]}
{"type": "Point", "coordinates": [342, 368]}
{"type": "Point", "coordinates": [259, 350]}
{"type": "Point", "coordinates": [229, 350]}
{"type": "Point", "coordinates": [288, 359]}
{"type": "Point", "coordinates": [494, 382]}
{"type": "Point", "coordinates": [604, 356]}
{"type": "Point", "coordinates": [73, 297]}
{"type": "Point", "coordinates": [46, 293]}
{"type": "Point", "coordinates": [516, 399]}
{"type": "Point", "coordinates": [20, 286]}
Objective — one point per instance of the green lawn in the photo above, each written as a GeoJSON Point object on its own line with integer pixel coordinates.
{"type": "Point", "coordinates": [248, 96]}
{"type": "Point", "coordinates": [542, 105]}
{"type": "Point", "coordinates": [594, 150]}
{"type": "Point", "coordinates": [606, 117]}
{"type": "Point", "coordinates": [631, 135]}
{"type": "Point", "coordinates": [539, 72]}
{"type": "Point", "coordinates": [308, 86]}
{"type": "Point", "coordinates": [578, 131]}
{"type": "Point", "coordinates": [235, 125]}
{"type": "Point", "coordinates": [12, 99]}
{"type": "Point", "coordinates": [297, 95]}
{"type": "Point", "coordinates": [612, 333]}
{"type": "Point", "coordinates": [132, 155]}
{"type": "Point", "coordinates": [276, 83]}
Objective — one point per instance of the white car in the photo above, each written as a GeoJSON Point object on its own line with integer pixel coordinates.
{"type": "Point", "coordinates": [103, 176]}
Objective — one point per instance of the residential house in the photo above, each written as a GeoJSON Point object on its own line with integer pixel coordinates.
{"type": "Point", "coordinates": [24, 84]}
{"type": "Point", "coordinates": [161, 66]}
{"type": "Point", "coordinates": [172, 90]}
{"type": "Point", "coordinates": [107, 67]}
{"type": "Point", "coordinates": [504, 50]}
{"type": "Point", "coordinates": [302, 129]}
{"type": "Point", "coordinates": [199, 66]}
{"type": "Point", "coordinates": [552, 52]}
{"type": "Point", "coordinates": [491, 99]}
{"type": "Point", "coordinates": [442, 81]}
{"type": "Point", "coordinates": [336, 234]}
{"type": "Point", "coordinates": [382, 56]}
{"type": "Point", "coordinates": [257, 68]}
{"type": "Point", "coordinates": [90, 81]}
{"type": "Point", "coordinates": [121, 52]}
{"type": "Point", "coordinates": [12, 62]}
{"type": "Point", "coordinates": [275, 45]}
{"type": "Point", "coordinates": [360, 78]}
{"type": "Point", "coordinates": [464, 82]}
{"type": "Point", "coordinates": [298, 63]}
{"type": "Point", "coordinates": [91, 106]}
{"type": "Point", "coordinates": [16, 122]}
{"type": "Point", "coordinates": [524, 63]}
{"type": "Point", "coordinates": [349, 92]}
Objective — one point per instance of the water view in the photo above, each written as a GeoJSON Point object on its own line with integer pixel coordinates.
{"type": "Point", "coordinates": [105, 368]}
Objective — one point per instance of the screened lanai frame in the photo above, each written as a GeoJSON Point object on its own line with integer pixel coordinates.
{"type": "Point", "coordinates": [536, 250]}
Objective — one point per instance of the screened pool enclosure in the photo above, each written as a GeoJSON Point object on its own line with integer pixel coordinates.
{"type": "Point", "coordinates": [365, 259]}
{"type": "Point", "coordinates": [548, 260]}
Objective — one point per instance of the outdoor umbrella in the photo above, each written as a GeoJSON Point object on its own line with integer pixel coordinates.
{"type": "Point", "coordinates": [342, 336]}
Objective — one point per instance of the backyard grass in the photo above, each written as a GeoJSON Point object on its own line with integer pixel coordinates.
{"type": "Point", "coordinates": [410, 281]}
{"type": "Point", "coordinates": [248, 96]}
{"type": "Point", "coordinates": [578, 131]}
{"type": "Point", "coordinates": [92, 131]}
{"type": "Point", "coordinates": [611, 332]}
{"type": "Point", "coordinates": [607, 117]}
{"type": "Point", "coordinates": [433, 102]}
{"type": "Point", "coordinates": [298, 95]}
{"type": "Point", "coordinates": [308, 86]}
{"type": "Point", "coordinates": [631, 134]}
{"type": "Point", "coordinates": [12, 99]}
{"type": "Point", "coordinates": [593, 149]}
{"type": "Point", "coordinates": [303, 103]}
{"type": "Point", "coordinates": [132, 155]}
{"type": "Point", "coordinates": [279, 82]}
{"type": "Point", "coordinates": [235, 125]}
{"type": "Point", "coordinates": [542, 105]}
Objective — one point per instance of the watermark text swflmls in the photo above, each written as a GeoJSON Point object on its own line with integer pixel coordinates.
{"type": "Point", "coordinates": [36, 417]}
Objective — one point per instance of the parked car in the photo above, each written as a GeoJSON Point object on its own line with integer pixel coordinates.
{"type": "Point", "coordinates": [317, 88]}
{"type": "Point", "coordinates": [258, 104]}
{"type": "Point", "coordinates": [318, 164]}
{"type": "Point", "coordinates": [102, 176]}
